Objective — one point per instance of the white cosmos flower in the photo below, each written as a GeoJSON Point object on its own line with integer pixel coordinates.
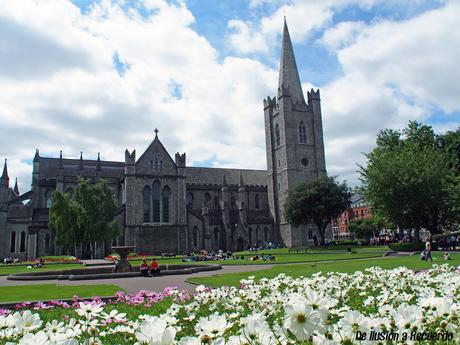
{"type": "Point", "coordinates": [26, 321]}
{"type": "Point", "coordinates": [301, 319]}
{"type": "Point", "coordinates": [407, 316]}
{"type": "Point", "coordinates": [114, 316]}
{"type": "Point", "coordinates": [155, 331]}
{"type": "Point", "coordinates": [39, 338]}
{"type": "Point", "coordinates": [214, 326]}
{"type": "Point", "coordinates": [89, 310]}
{"type": "Point", "coordinates": [7, 327]}
{"type": "Point", "coordinates": [352, 322]}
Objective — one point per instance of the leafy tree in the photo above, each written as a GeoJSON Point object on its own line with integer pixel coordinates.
{"type": "Point", "coordinates": [364, 228]}
{"type": "Point", "coordinates": [86, 218]}
{"type": "Point", "coordinates": [409, 180]}
{"type": "Point", "coordinates": [317, 202]}
{"type": "Point", "coordinates": [63, 220]}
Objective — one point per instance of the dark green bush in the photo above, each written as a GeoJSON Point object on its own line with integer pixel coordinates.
{"type": "Point", "coordinates": [407, 247]}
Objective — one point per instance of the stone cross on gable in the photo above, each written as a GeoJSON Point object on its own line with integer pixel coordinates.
{"type": "Point", "coordinates": [156, 131]}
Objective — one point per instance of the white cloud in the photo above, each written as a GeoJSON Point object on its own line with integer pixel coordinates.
{"type": "Point", "coordinates": [78, 102]}
{"type": "Point", "coordinates": [60, 89]}
{"type": "Point", "coordinates": [393, 72]}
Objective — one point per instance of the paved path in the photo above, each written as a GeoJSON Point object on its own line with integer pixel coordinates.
{"type": "Point", "coordinates": [133, 285]}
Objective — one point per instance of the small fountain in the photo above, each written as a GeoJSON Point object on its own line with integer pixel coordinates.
{"type": "Point", "coordinates": [123, 264]}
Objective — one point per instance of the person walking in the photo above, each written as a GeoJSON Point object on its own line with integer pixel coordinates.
{"type": "Point", "coordinates": [428, 250]}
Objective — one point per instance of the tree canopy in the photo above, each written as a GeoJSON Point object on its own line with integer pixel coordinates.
{"type": "Point", "coordinates": [364, 228]}
{"type": "Point", "coordinates": [86, 218]}
{"type": "Point", "coordinates": [410, 178]}
{"type": "Point", "coordinates": [317, 202]}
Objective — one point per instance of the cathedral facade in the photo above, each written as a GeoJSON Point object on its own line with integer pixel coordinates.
{"type": "Point", "coordinates": [167, 206]}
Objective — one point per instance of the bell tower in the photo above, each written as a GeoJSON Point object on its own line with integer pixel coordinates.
{"type": "Point", "coordinates": [294, 141]}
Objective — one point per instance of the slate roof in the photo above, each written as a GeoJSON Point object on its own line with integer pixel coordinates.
{"type": "Point", "coordinates": [49, 167]}
{"type": "Point", "coordinates": [215, 176]}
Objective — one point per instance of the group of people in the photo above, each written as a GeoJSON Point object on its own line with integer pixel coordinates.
{"type": "Point", "coordinates": [449, 242]}
{"type": "Point", "coordinates": [11, 260]}
{"type": "Point", "coordinates": [152, 269]}
{"type": "Point", "coordinates": [204, 255]}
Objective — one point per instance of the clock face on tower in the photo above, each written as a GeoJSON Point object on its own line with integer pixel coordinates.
{"type": "Point", "coordinates": [305, 162]}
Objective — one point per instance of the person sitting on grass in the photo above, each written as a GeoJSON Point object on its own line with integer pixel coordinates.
{"type": "Point", "coordinates": [144, 268]}
{"type": "Point", "coordinates": [154, 268]}
{"type": "Point", "coordinates": [447, 256]}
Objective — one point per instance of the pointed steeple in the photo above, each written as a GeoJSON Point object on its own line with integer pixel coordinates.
{"type": "Point", "coordinates": [98, 164]}
{"type": "Point", "coordinates": [80, 164]}
{"type": "Point", "coordinates": [61, 163]}
{"type": "Point", "coordinates": [37, 156]}
{"type": "Point", "coordinates": [4, 179]}
{"type": "Point", "coordinates": [16, 187]}
{"type": "Point", "coordinates": [289, 81]}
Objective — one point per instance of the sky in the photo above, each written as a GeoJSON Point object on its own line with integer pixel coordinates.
{"type": "Point", "coordinates": [100, 76]}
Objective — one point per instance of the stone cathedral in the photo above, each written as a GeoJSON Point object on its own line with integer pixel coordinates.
{"type": "Point", "coordinates": [167, 206]}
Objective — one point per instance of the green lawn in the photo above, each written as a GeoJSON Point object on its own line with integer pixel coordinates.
{"type": "Point", "coordinates": [336, 248]}
{"type": "Point", "coordinates": [53, 292]}
{"type": "Point", "coordinates": [297, 270]}
{"type": "Point", "coordinates": [11, 269]}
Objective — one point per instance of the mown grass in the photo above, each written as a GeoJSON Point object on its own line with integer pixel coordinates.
{"type": "Point", "coordinates": [297, 270]}
{"type": "Point", "coordinates": [42, 292]}
{"type": "Point", "coordinates": [12, 269]}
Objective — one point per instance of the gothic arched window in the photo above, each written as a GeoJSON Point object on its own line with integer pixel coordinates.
{"type": "Point", "coordinates": [207, 200]}
{"type": "Point", "coordinates": [189, 199]}
{"type": "Point", "coordinates": [48, 199]}
{"type": "Point", "coordinates": [216, 203]}
{"type": "Point", "coordinates": [265, 234]}
{"type": "Point", "coordinates": [13, 242]}
{"type": "Point", "coordinates": [250, 237]}
{"type": "Point", "coordinates": [302, 133]}
{"type": "Point", "coordinates": [277, 135]}
{"type": "Point", "coordinates": [156, 194]}
{"type": "Point", "coordinates": [22, 246]}
{"type": "Point", "coordinates": [47, 243]}
{"type": "Point", "coordinates": [195, 236]}
{"type": "Point", "coordinates": [233, 203]}
{"type": "Point", "coordinates": [146, 197]}
{"type": "Point", "coordinates": [165, 196]}
{"type": "Point", "coordinates": [216, 238]}
{"type": "Point", "coordinates": [256, 199]}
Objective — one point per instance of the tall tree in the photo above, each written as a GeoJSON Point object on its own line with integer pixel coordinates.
{"type": "Point", "coordinates": [408, 179]}
{"type": "Point", "coordinates": [317, 202]}
{"type": "Point", "coordinates": [364, 228]}
{"type": "Point", "coordinates": [85, 219]}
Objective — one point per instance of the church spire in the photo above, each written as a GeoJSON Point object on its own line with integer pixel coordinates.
{"type": "Point", "coordinates": [4, 179]}
{"type": "Point", "coordinates": [289, 81]}
{"type": "Point", "coordinates": [80, 163]}
{"type": "Point", "coordinates": [16, 187]}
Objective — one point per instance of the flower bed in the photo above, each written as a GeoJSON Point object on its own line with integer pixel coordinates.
{"type": "Point", "coordinates": [131, 256]}
{"type": "Point", "coordinates": [323, 309]}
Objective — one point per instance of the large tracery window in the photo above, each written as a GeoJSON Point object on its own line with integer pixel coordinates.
{"type": "Point", "coordinates": [302, 133]}
{"type": "Point", "coordinates": [13, 242]}
{"type": "Point", "coordinates": [166, 196]}
{"type": "Point", "coordinates": [257, 203]}
{"type": "Point", "coordinates": [156, 194]}
{"type": "Point", "coordinates": [277, 135]}
{"type": "Point", "coordinates": [146, 196]}
{"type": "Point", "coordinates": [22, 246]}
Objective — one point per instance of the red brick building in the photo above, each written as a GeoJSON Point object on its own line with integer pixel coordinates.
{"type": "Point", "coordinates": [359, 209]}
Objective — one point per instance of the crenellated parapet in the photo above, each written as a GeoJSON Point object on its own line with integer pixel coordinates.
{"type": "Point", "coordinates": [180, 160]}
{"type": "Point", "coordinates": [270, 103]}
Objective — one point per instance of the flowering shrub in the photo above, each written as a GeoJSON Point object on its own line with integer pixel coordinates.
{"type": "Point", "coordinates": [324, 309]}
{"type": "Point", "coordinates": [60, 259]}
